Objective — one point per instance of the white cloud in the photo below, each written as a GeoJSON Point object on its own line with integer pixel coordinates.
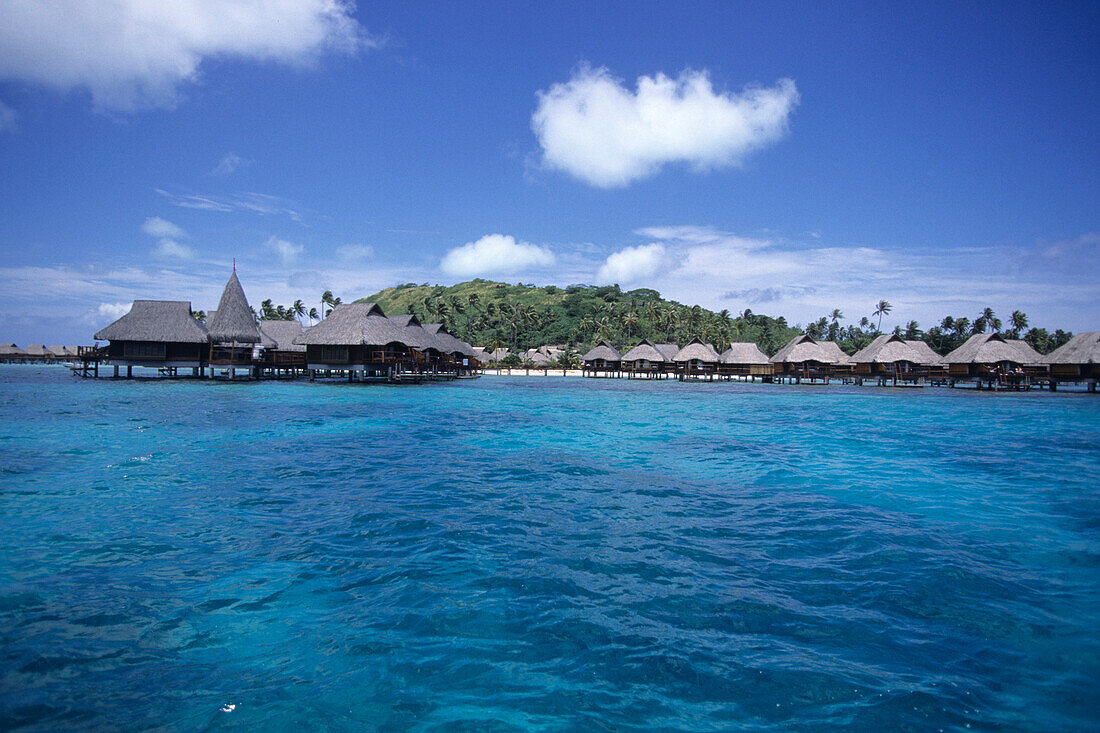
{"type": "Point", "coordinates": [229, 163]}
{"type": "Point", "coordinates": [133, 53]}
{"type": "Point", "coordinates": [287, 251]}
{"type": "Point", "coordinates": [169, 248]}
{"type": "Point", "coordinates": [632, 263]}
{"type": "Point", "coordinates": [114, 311]}
{"type": "Point", "coordinates": [154, 226]}
{"type": "Point", "coordinates": [7, 118]}
{"type": "Point", "coordinates": [355, 252]}
{"type": "Point", "coordinates": [597, 130]}
{"type": "Point", "coordinates": [495, 254]}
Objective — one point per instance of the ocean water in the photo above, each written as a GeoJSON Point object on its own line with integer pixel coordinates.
{"type": "Point", "coordinates": [545, 554]}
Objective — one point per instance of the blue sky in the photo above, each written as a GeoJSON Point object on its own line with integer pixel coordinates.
{"type": "Point", "coordinates": [790, 158]}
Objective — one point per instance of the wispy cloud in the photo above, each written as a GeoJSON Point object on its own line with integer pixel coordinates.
{"type": "Point", "coordinates": [596, 129]}
{"type": "Point", "coordinates": [287, 251]}
{"type": "Point", "coordinates": [248, 201]}
{"type": "Point", "coordinates": [154, 226]}
{"type": "Point", "coordinates": [137, 54]}
{"type": "Point", "coordinates": [495, 254]}
{"type": "Point", "coordinates": [228, 165]}
{"type": "Point", "coordinates": [354, 252]}
{"type": "Point", "coordinates": [7, 118]}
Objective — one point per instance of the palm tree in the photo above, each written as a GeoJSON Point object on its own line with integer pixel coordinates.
{"type": "Point", "coordinates": [912, 331]}
{"type": "Point", "coordinates": [313, 316]}
{"type": "Point", "coordinates": [882, 309]}
{"type": "Point", "coordinates": [299, 309]}
{"type": "Point", "coordinates": [1019, 322]}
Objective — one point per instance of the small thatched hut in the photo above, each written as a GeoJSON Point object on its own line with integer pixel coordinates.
{"type": "Point", "coordinates": [697, 359]}
{"type": "Point", "coordinates": [647, 361]}
{"type": "Point", "coordinates": [805, 358]}
{"type": "Point", "coordinates": [457, 352]}
{"type": "Point", "coordinates": [991, 358]}
{"type": "Point", "coordinates": [356, 337]}
{"type": "Point", "coordinates": [157, 333]}
{"type": "Point", "coordinates": [1076, 360]}
{"type": "Point", "coordinates": [232, 328]}
{"type": "Point", "coordinates": [9, 352]}
{"type": "Point", "coordinates": [279, 349]}
{"type": "Point", "coordinates": [889, 356]}
{"type": "Point", "coordinates": [603, 360]}
{"type": "Point", "coordinates": [744, 359]}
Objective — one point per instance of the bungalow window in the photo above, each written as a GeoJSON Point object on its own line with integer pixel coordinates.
{"type": "Point", "coordinates": [144, 349]}
{"type": "Point", "coordinates": [334, 353]}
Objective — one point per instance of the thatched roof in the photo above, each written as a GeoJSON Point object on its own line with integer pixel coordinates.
{"type": "Point", "coordinates": [35, 350]}
{"type": "Point", "coordinates": [1031, 355]}
{"type": "Point", "coordinates": [989, 348]}
{"type": "Point", "coordinates": [448, 343]}
{"type": "Point", "coordinates": [742, 352]}
{"type": "Point", "coordinates": [165, 321]}
{"type": "Point", "coordinates": [802, 348]}
{"type": "Point", "coordinates": [604, 351]}
{"type": "Point", "coordinates": [539, 358]}
{"type": "Point", "coordinates": [62, 351]}
{"type": "Point", "coordinates": [233, 322]}
{"type": "Point", "coordinates": [928, 357]}
{"type": "Point", "coordinates": [888, 348]}
{"type": "Point", "coordinates": [1084, 348]}
{"type": "Point", "coordinates": [669, 351]}
{"type": "Point", "coordinates": [414, 334]}
{"type": "Point", "coordinates": [354, 324]}
{"type": "Point", "coordinates": [10, 349]}
{"type": "Point", "coordinates": [280, 335]}
{"type": "Point", "coordinates": [646, 351]}
{"type": "Point", "coordinates": [697, 350]}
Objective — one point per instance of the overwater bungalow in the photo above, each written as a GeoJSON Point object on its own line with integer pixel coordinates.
{"type": "Point", "coordinates": [602, 361]}
{"type": "Point", "coordinates": [162, 334]}
{"type": "Point", "coordinates": [697, 360]}
{"type": "Point", "coordinates": [60, 352]}
{"type": "Point", "coordinates": [233, 332]}
{"type": "Point", "coordinates": [458, 356]}
{"type": "Point", "coordinates": [993, 360]}
{"type": "Point", "coordinates": [744, 360]}
{"type": "Point", "coordinates": [10, 353]}
{"type": "Point", "coordinates": [804, 358]}
{"type": "Point", "coordinates": [359, 341]}
{"type": "Point", "coordinates": [281, 356]}
{"type": "Point", "coordinates": [1077, 360]}
{"type": "Point", "coordinates": [36, 352]}
{"type": "Point", "coordinates": [889, 357]}
{"type": "Point", "coordinates": [646, 361]}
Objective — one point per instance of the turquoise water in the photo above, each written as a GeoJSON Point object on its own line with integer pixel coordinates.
{"type": "Point", "coordinates": [545, 554]}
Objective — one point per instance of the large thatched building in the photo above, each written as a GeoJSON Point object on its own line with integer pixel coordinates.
{"type": "Point", "coordinates": [359, 340]}
{"type": "Point", "coordinates": [602, 361]}
{"type": "Point", "coordinates": [744, 359]}
{"type": "Point", "coordinates": [156, 333]}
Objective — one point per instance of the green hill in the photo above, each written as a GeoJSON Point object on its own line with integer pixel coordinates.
{"type": "Point", "coordinates": [494, 314]}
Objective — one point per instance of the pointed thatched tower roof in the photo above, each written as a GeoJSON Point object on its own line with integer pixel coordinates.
{"type": "Point", "coordinates": [646, 351]}
{"type": "Point", "coordinates": [741, 352]}
{"type": "Point", "coordinates": [698, 351]}
{"type": "Point", "coordinates": [233, 322]}
{"type": "Point", "coordinates": [990, 348]}
{"type": "Point", "coordinates": [604, 351]}
{"type": "Point", "coordinates": [802, 348]}
{"type": "Point", "coordinates": [1084, 348]}
{"type": "Point", "coordinates": [888, 348]}
{"type": "Point", "coordinates": [166, 321]}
